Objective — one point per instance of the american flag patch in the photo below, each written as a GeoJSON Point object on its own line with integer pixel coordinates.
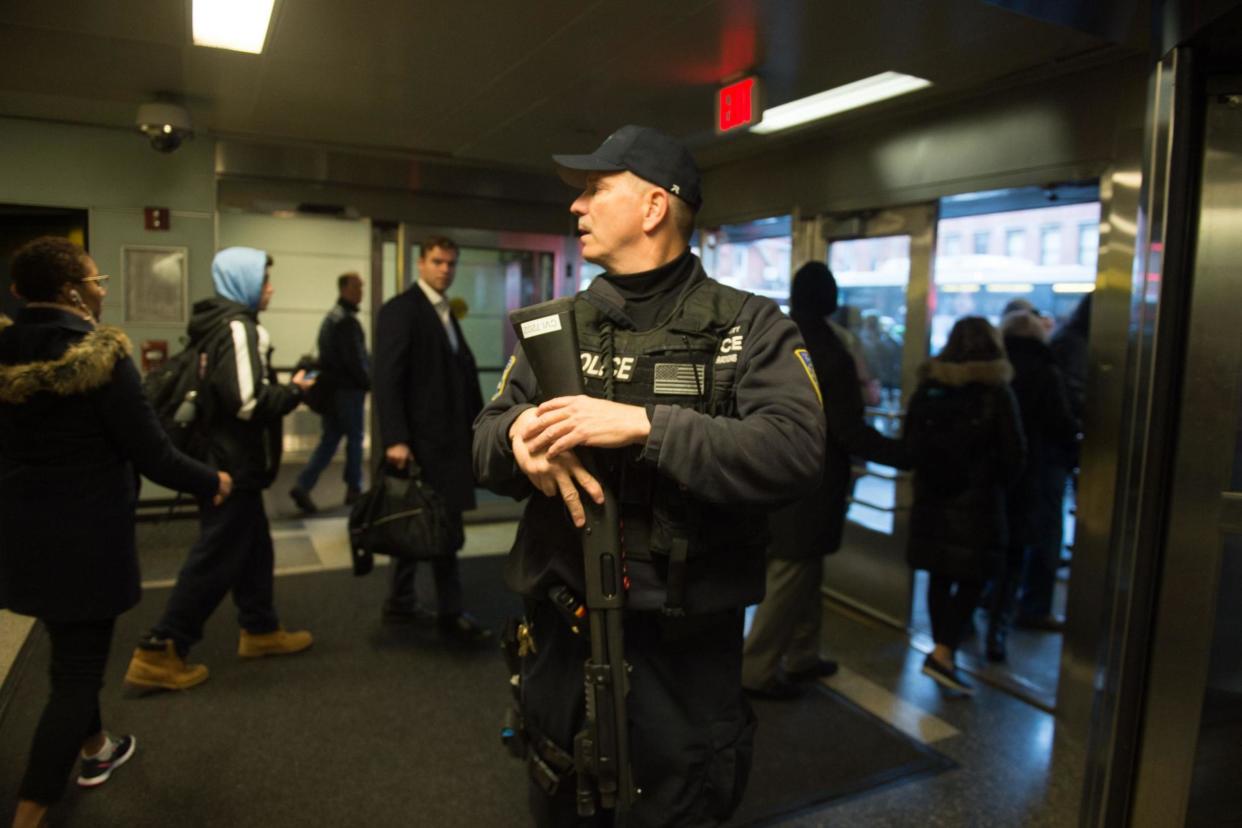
{"type": "Point", "coordinates": [679, 379]}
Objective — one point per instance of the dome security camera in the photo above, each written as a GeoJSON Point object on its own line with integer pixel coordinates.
{"type": "Point", "coordinates": [165, 125]}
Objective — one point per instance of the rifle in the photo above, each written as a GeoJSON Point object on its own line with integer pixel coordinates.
{"type": "Point", "coordinates": [549, 338]}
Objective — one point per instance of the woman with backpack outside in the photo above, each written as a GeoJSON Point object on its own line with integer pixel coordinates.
{"type": "Point", "coordinates": [75, 428]}
{"type": "Point", "coordinates": [964, 438]}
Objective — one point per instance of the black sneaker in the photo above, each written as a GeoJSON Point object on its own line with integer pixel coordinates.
{"type": "Point", "coordinates": [948, 677]}
{"type": "Point", "coordinates": [777, 689]}
{"type": "Point", "coordinates": [351, 496]}
{"type": "Point", "coordinates": [95, 771]}
{"type": "Point", "coordinates": [463, 628]}
{"type": "Point", "coordinates": [394, 614]}
{"type": "Point", "coordinates": [824, 668]}
{"type": "Point", "coordinates": [303, 500]}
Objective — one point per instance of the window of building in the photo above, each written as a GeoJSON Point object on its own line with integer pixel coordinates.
{"type": "Point", "coordinates": [981, 240]}
{"type": "Point", "coordinates": [951, 245]}
{"type": "Point", "coordinates": [1089, 244]}
{"type": "Point", "coordinates": [1050, 245]}
{"type": "Point", "coordinates": [1015, 242]}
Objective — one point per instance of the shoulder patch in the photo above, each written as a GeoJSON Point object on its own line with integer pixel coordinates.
{"type": "Point", "coordinates": [804, 359]}
{"type": "Point", "coordinates": [504, 377]}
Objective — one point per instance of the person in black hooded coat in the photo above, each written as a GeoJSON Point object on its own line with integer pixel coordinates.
{"type": "Point", "coordinates": [787, 624]}
{"type": "Point", "coordinates": [964, 437]}
{"type": "Point", "coordinates": [1036, 501]}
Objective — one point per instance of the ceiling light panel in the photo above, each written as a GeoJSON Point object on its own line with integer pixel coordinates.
{"type": "Point", "coordinates": [239, 25]}
{"type": "Point", "coordinates": [834, 101]}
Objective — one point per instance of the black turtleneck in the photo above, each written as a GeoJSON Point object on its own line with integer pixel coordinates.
{"type": "Point", "coordinates": [649, 294]}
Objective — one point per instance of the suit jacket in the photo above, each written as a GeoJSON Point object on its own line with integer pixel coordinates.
{"type": "Point", "coordinates": [426, 395]}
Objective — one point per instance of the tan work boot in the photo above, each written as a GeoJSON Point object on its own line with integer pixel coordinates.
{"type": "Point", "coordinates": [277, 642]}
{"type": "Point", "coordinates": [162, 669]}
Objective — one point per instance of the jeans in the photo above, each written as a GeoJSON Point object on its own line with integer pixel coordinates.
{"type": "Point", "coordinates": [345, 420]}
{"type": "Point", "coordinates": [233, 553]}
{"type": "Point", "coordinates": [79, 656]}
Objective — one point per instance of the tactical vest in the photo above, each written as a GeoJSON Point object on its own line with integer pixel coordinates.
{"type": "Point", "coordinates": [690, 361]}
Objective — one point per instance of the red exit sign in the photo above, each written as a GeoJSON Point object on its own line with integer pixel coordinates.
{"type": "Point", "coordinates": [737, 105]}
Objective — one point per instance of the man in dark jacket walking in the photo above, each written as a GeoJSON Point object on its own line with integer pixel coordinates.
{"type": "Point", "coordinates": [344, 379]}
{"type": "Point", "coordinates": [242, 408]}
{"type": "Point", "coordinates": [787, 624]}
{"type": "Point", "coordinates": [427, 394]}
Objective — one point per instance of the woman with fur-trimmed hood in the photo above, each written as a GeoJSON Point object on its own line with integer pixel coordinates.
{"type": "Point", "coordinates": [964, 437]}
{"type": "Point", "coordinates": [75, 426]}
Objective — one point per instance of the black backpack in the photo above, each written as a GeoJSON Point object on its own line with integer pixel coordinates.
{"type": "Point", "coordinates": [176, 392]}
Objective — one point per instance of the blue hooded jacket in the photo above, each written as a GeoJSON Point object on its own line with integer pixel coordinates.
{"type": "Point", "coordinates": [238, 275]}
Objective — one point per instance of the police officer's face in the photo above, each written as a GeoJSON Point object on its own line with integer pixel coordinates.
{"type": "Point", "coordinates": [610, 216]}
{"type": "Point", "coordinates": [437, 267]}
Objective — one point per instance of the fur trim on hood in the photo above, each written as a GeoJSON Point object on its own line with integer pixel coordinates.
{"type": "Point", "coordinates": [957, 374]}
{"type": "Point", "coordinates": [84, 366]}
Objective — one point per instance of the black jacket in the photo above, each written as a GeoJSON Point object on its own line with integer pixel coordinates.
{"type": "Point", "coordinates": [426, 395]}
{"type": "Point", "coordinates": [74, 427]}
{"type": "Point", "coordinates": [768, 452]}
{"type": "Point", "coordinates": [813, 525]}
{"type": "Point", "coordinates": [1051, 441]}
{"type": "Point", "coordinates": [243, 406]}
{"type": "Point", "coordinates": [964, 438]}
{"type": "Point", "coordinates": [343, 360]}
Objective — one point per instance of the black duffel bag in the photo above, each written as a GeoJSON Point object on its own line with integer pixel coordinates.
{"type": "Point", "coordinates": [402, 517]}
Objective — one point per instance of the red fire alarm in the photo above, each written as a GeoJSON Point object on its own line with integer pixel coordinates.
{"type": "Point", "coordinates": [155, 218]}
{"type": "Point", "coordinates": [154, 354]}
{"type": "Point", "coordinates": [737, 105]}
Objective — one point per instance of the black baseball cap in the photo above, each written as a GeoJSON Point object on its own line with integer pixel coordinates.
{"type": "Point", "coordinates": [648, 153]}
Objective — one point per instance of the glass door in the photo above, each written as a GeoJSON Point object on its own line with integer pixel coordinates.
{"type": "Point", "coordinates": [882, 262]}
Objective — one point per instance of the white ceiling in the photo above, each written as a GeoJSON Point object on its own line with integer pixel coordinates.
{"type": "Point", "coordinates": [501, 81]}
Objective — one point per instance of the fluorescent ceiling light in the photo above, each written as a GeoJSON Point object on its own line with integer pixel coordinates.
{"type": "Point", "coordinates": [240, 25]}
{"type": "Point", "coordinates": [851, 96]}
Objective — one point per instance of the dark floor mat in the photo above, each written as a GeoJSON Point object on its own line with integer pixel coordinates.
{"type": "Point", "coordinates": [381, 727]}
{"type": "Point", "coordinates": [822, 747]}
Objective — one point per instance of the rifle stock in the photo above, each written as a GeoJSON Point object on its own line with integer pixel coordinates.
{"type": "Point", "coordinates": [549, 338]}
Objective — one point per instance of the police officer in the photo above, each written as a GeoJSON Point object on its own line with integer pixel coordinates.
{"type": "Point", "coordinates": [704, 403]}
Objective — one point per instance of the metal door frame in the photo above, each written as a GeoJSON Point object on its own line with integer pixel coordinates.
{"type": "Point", "coordinates": [1202, 509]}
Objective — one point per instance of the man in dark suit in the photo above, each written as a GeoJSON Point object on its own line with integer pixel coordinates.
{"type": "Point", "coordinates": [427, 394]}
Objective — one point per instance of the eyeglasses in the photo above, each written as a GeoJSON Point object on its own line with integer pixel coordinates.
{"type": "Point", "coordinates": [101, 280]}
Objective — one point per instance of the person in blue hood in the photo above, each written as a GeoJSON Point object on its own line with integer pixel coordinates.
{"type": "Point", "coordinates": [242, 407]}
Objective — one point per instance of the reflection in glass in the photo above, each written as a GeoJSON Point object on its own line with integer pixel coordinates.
{"type": "Point", "coordinates": [1214, 789]}
{"type": "Point", "coordinates": [1052, 275]}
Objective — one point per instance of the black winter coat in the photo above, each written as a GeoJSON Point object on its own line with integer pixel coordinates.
{"type": "Point", "coordinates": [343, 360]}
{"type": "Point", "coordinates": [964, 438]}
{"type": "Point", "coordinates": [427, 396]}
{"type": "Point", "coordinates": [813, 525]}
{"type": "Point", "coordinates": [244, 408]}
{"type": "Point", "coordinates": [1051, 442]}
{"type": "Point", "coordinates": [74, 426]}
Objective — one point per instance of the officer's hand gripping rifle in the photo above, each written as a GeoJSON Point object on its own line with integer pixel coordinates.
{"type": "Point", "coordinates": [601, 751]}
